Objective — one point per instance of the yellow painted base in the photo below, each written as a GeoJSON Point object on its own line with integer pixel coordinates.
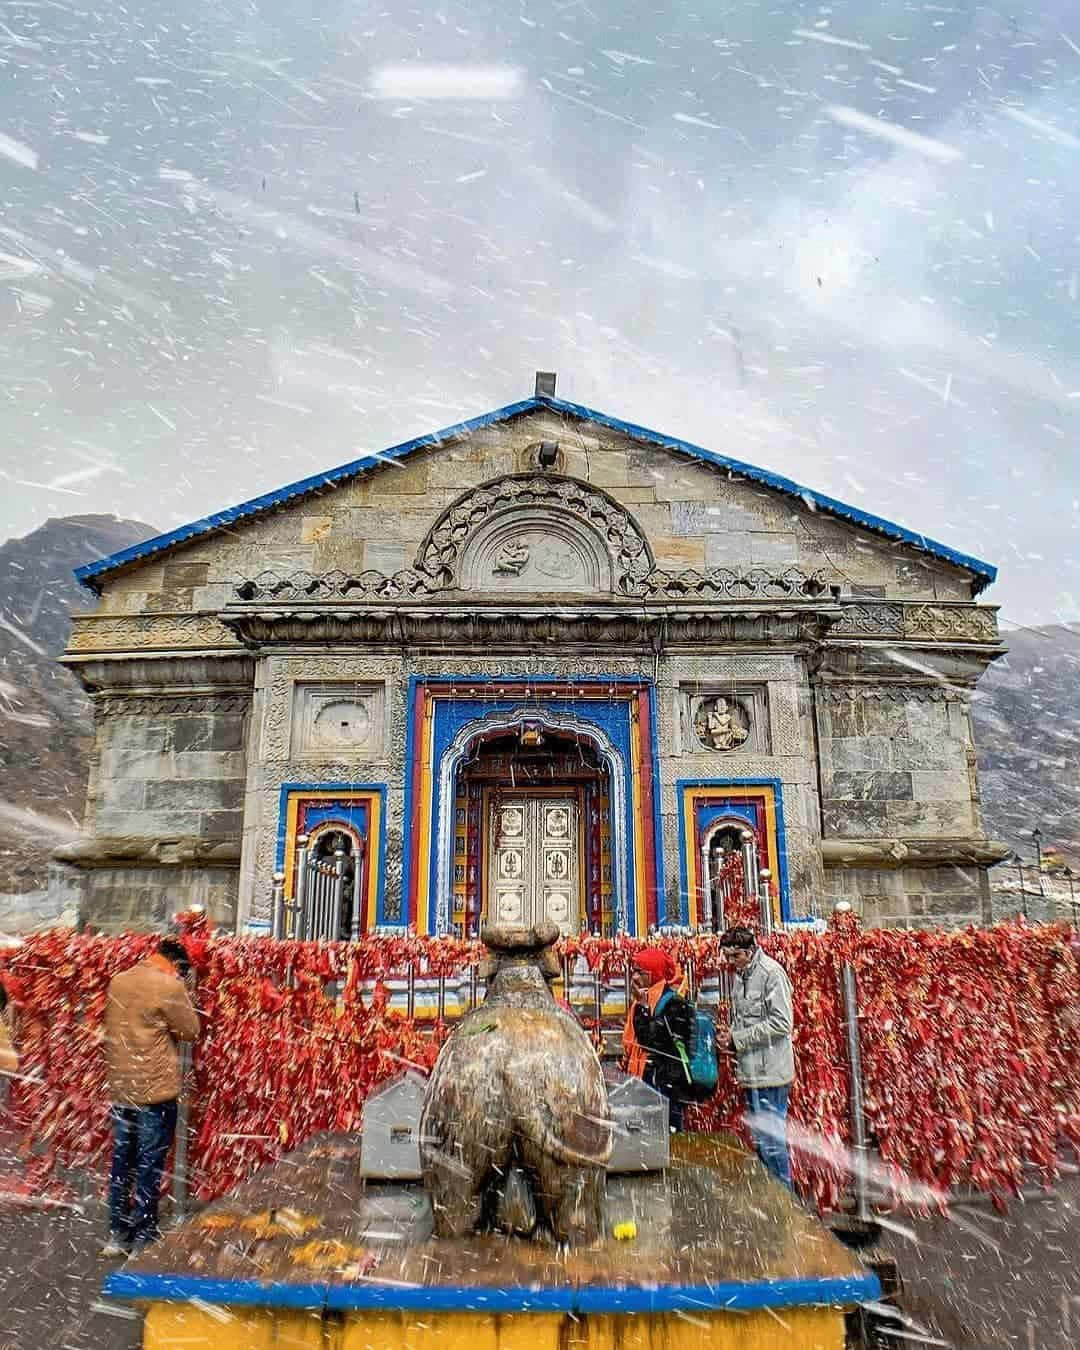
{"type": "Point", "coordinates": [175, 1325]}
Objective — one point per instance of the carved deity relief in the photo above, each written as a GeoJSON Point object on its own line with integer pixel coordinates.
{"type": "Point", "coordinates": [533, 555]}
{"type": "Point", "coordinates": [720, 724]}
{"type": "Point", "coordinates": [511, 560]}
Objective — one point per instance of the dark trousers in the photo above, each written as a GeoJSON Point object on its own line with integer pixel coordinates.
{"type": "Point", "coordinates": [141, 1139]}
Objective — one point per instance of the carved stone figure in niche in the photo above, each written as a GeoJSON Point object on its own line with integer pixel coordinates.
{"type": "Point", "coordinates": [511, 559]}
{"type": "Point", "coordinates": [516, 1131]}
{"type": "Point", "coordinates": [720, 724]}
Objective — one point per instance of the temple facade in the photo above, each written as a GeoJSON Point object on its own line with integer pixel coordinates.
{"type": "Point", "coordinates": [544, 663]}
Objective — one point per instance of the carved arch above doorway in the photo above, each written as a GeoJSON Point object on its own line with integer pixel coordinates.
{"type": "Point", "coordinates": [573, 536]}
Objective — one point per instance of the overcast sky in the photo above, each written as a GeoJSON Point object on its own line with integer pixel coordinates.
{"type": "Point", "coordinates": [242, 242]}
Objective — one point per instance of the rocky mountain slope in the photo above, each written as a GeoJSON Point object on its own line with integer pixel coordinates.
{"type": "Point", "coordinates": [44, 715]}
{"type": "Point", "coordinates": [1027, 730]}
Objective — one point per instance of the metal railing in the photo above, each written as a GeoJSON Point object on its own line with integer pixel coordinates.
{"type": "Point", "coordinates": [734, 880]}
{"type": "Point", "coordinates": [316, 910]}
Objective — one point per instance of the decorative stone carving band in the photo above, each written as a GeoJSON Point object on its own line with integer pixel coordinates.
{"type": "Point", "coordinates": [336, 585]}
{"type": "Point", "coordinates": [480, 628]}
{"type": "Point", "coordinates": [955, 622]}
{"type": "Point", "coordinates": [870, 620]}
{"type": "Point", "coordinates": [166, 705]}
{"type": "Point", "coordinates": [139, 632]}
{"type": "Point", "coordinates": [725, 583]}
{"type": "Point", "coordinates": [893, 693]}
{"type": "Point", "coordinates": [969, 623]}
{"type": "Point", "coordinates": [719, 583]}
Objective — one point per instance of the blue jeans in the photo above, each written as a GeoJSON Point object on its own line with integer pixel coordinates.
{"type": "Point", "coordinates": [770, 1106]}
{"type": "Point", "coordinates": [141, 1139]}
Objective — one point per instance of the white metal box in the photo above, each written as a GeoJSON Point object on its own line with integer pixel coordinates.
{"type": "Point", "coordinates": [390, 1144]}
{"type": "Point", "coordinates": [641, 1139]}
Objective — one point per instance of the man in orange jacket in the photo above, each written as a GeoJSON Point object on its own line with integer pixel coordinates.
{"type": "Point", "coordinates": [148, 1012]}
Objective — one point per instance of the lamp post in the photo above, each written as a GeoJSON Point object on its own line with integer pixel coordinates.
{"type": "Point", "coordinates": [1036, 838]}
{"type": "Point", "coordinates": [1023, 894]}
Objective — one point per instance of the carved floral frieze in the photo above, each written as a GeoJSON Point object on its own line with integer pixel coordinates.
{"type": "Point", "coordinates": [139, 632]}
{"type": "Point", "coordinates": [169, 705]}
{"type": "Point", "coordinates": [936, 622]}
{"type": "Point", "coordinates": [893, 693]}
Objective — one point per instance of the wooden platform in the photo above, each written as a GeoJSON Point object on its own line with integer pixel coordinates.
{"type": "Point", "coordinates": [306, 1254]}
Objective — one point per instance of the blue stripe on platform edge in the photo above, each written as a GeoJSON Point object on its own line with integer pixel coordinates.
{"type": "Point", "coordinates": [183, 1288]}
{"type": "Point", "coordinates": [734, 1296]}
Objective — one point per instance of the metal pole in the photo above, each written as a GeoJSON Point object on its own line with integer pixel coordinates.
{"type": "Point", "coordinates": [1023, 893]}
{"type": "Point", "coordinates": [766, 902]}
{"type": "Point", "coordinates": [858, 1119]}
{"type": "Point", "coordinates": [442, 998]}
{"type": "Point", "coordinates": [326, 876]}
{"type": "Point", "coordinates": [598, 1000]}
{"type": "Point", "coordinates": [1036, 835]}
{"type": "Point", "coordinates": [474, 986]}
{"type": "Point", "coordinates": [751, 883]}
{"type": "Point", "coordinates": [410, 1005]}
{"type": "Point", "coordinates": [357, 917]}
{"type": "Point", "coordinates": [180, 1156]}
{"type": "Point", "coordinates": [300, 887]}
{"type": "Point", "coordinates": [315, 886]}
{"type": "Point", "coordinates": [339, 894]}
{"type": "Point", "coordinates": [278, 892]}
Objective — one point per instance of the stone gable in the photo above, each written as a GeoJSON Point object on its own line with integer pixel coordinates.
{"type": "Point", "coordinates": [694, 516]}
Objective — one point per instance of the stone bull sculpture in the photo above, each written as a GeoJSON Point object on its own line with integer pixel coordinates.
{"type": "Point", "coordinates": [515, 1130]}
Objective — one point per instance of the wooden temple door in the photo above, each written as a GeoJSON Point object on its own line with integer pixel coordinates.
{"type": "Point", "coordinates": [534, 860]}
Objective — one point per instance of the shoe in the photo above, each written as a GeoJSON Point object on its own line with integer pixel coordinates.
{"type": "Point", "coordinates": [113, 1249]}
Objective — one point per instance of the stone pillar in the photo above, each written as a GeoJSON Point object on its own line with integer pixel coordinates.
{"type": "Point", "coordinates": [164, 812]}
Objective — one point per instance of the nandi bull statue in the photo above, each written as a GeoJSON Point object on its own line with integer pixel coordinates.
{"type": "Point", "coordinates": [515, 1131]}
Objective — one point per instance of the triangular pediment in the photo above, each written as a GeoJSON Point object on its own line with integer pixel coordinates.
{"type": "Point", "coordinates": [623, 484]}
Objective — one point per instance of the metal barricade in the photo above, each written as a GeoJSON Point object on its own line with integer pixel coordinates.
{"type": "Point", "coordinates": [316, 911]}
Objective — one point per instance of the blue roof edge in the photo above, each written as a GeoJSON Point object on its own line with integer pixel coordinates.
{"type": "Point", "coordinates": [88, 575]}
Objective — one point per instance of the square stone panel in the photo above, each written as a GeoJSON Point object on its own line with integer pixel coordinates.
{"type": "Point", "coordinates": [338, 720]}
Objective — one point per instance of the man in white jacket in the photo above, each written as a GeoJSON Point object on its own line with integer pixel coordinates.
{"type": "Point", "coordinates": [761, 1025]}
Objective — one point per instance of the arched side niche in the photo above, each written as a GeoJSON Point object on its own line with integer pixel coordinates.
{"type": "Point", "coordinates": [571, 525]}
{"type": "Point", "coordinates": [540, 550]}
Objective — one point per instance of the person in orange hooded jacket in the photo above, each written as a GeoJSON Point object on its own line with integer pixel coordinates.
{"type": "Point", "coordinates": [655, 1033]}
